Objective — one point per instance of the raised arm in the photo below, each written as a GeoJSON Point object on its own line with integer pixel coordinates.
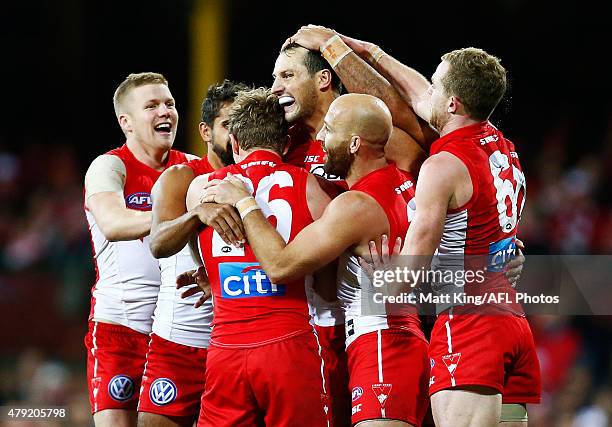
{"type": "Point", "coordinates": [410, 84]}
{"type": "Point", "coordinates": [104, 182]}
{"type": "Point", "coordinates": [359, 77]}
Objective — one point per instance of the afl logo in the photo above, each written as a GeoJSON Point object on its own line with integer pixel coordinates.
{"type": "Point", "coordinates": [162, 392]}
{"type": "Point", "coordinates": [356, 394]}
{"type": "Point", "coordinates": [121, 388]}
{"type": "Point", "coordinates": [140, 201]}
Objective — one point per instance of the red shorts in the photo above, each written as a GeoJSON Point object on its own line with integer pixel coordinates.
{"type": "Point", "coordinates": [389, 370]}
{"type": "Point", "coordinates": [115, 361]}
{"type": "Point", "coordinates": [494, 351]}
{"type": "Point", "coordinates": [332, 340]}
{"type": "Point", "coordinates": [277, 384]}
{"type": "Point", "coordinates": [173, 379]}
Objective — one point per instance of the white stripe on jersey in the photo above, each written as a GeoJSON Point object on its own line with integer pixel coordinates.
{"type": "Point", "coordinates": [176, 319]}
{"type": "Point", "coordinates": [353, 288]}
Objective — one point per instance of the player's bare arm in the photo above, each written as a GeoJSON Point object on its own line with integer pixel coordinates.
{"type": "Point", "coordinates": [172, 225]}
{"type": "Point", "coordinates": [410, 84]}
{"type": "Point", "coordinates": [444, 183]}
{"type": "Point", "coordinates": [340, 227]}
{"type": "Point", "coordinates": [359, 77]}
{"type": "Point", "coordinates": [104, 184]}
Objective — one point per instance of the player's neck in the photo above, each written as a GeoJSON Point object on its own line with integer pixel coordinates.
{"type": "Point", "coordinates": [359, 169]}
{"type": "Point", "coordinates": [315, 122]}
{"type": "Point", "coordinates": [153, 157]}
{"type": "Point", "coordinates": [457, 122]}
{"type": "Point", "coordinates": [243, 154]}
{"type": "Point", "coordinates": [214, 160]}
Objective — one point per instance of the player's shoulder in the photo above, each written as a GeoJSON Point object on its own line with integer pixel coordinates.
{"type": "Point", "coordinates": [354, 202]}
{"type": "Point", "coordinates": [107, 162]}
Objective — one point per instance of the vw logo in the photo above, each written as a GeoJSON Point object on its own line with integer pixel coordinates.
{"type": "Point", "coordinates": [162, 392]}
{"type": "Point", "coordinates": [121, 388]}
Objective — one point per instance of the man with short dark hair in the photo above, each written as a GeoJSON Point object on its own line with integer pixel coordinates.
{"type": "Point", "coordinates": [173, 381]}
{"type": "Point", "coordinates": [264, 362]}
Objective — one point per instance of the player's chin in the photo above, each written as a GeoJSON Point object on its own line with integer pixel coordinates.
{"type": "Point", "coordinates": [165, 137]}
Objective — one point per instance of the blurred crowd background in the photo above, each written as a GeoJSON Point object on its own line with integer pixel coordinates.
{"type": "Point", "coordinates": [64, 59]}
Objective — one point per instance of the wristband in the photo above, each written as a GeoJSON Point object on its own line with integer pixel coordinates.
{"type": "Point", "coordinates": [334, 50]}
{"type": "Point", "coordinates": [239, 202]}
{"type": "Point", "coordinates": [374, 54]}
{"type": "Point", "coordinates": [248, 210]}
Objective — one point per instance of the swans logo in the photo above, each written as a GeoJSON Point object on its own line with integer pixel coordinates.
{"type": "Point", "coordinates": [246, 279]}
{"type": "Point", "coordinates": [121, 388]}
{"type": "Point", "coordinates": [162, 392]}
{"type": "Point", "coordinates": [140, 201]}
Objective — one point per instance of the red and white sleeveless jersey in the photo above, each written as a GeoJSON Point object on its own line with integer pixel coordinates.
{"type": "Point", "coordinates": [175, 318]}
{"type": "Point", "coordinates": [482, 232]}
{"type": "Point", "coordinates": [308, 154]}
{"type": "Point", "coordinates": [127, 275]}
{"type": "Point", "coordinates": [200, 166]}
{"type": "Point", "coordinates": [249, 310]}
{"type": "Point", "coordinates": [393, 190]}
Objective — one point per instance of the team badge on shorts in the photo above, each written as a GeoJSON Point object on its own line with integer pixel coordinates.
{"type": "Point", "coordinates": [162, 392]}
{"type": "Point", "coordinates": [451, 361]}
{"type": "Point", "coordinates": [356, 393]}
{"type": "Point", "coordinates": [121, 388]}
{"type": "Point", "coordinates": [382, 391]}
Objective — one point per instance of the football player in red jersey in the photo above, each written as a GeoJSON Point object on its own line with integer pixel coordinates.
{"type": "Point", "coordinates": [264, 364]}
{"type": "Point", "coordinates": [171, 390]}
{"type": "Point", "coordinates": [307, 85]}
{"type": "Point", "coordinates": [380, 347]}
{"type": "Point", "coordinates": [469, 197]}
{"type": "Point", "coordinates": [117, 205]}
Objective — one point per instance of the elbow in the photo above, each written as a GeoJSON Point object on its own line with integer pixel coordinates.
{"type": "Point", "coordinates": [156, 249]}
{"type": "Point", "coordinates": [110, 233]}
{"type": "Point", "coordinates": [278, 273]}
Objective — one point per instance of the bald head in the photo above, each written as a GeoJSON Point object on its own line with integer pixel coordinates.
{"type": "Point", "coordinates": [362, 115]}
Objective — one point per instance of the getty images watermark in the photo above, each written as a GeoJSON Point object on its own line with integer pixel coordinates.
{"type": "Point", "coordinates": [548, 284]}
{"type": "Point", "coordinates": [447, 279]}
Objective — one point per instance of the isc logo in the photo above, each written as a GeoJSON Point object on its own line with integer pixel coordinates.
{"type": "Point", "coordinates": [501, 252]}
{"type": "Point", "coordinates": [140, 201]}
{"type": "Point", "coordinates": [245, 280]}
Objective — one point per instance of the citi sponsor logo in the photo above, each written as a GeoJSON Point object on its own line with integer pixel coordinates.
{"type": "Point", "coordinates": [140, 201]}
{"type": "Point", "coordinates": [500, 253]}
{"type": "Point", "coordinates": [246, 280]}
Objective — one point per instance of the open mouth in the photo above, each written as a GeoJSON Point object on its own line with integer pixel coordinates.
{"type": "Point", "coordinates": [286, 101]}
{"type": "Point", "coordinates": [163, 128]}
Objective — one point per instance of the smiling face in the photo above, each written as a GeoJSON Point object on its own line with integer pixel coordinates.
{"type": "Point", "coordinates": [295, 86]}
{"type": "Point", "coordinates": [148, 115]}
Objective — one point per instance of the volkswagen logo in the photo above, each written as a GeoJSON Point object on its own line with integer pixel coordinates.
{"type": "Point", "coordinates": [121, 388]}
{"type": "Point", "coordinates": [162, 392]}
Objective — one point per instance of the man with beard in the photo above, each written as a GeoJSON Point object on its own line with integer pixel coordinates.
{"type": "Point", "coordinates": [264, 363]}
{"type": "Point", "coordinates": [306, 86]}
{"type": "Point", "coordinates": [380, 347]}
{"type": "Point", "coordinates": [470, 195]}
{"type": "Point", "coordinates": [171, 390]}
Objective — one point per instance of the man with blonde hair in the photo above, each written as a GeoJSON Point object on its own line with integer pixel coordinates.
{"type": "Point", "coordinates": [117, 205]}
